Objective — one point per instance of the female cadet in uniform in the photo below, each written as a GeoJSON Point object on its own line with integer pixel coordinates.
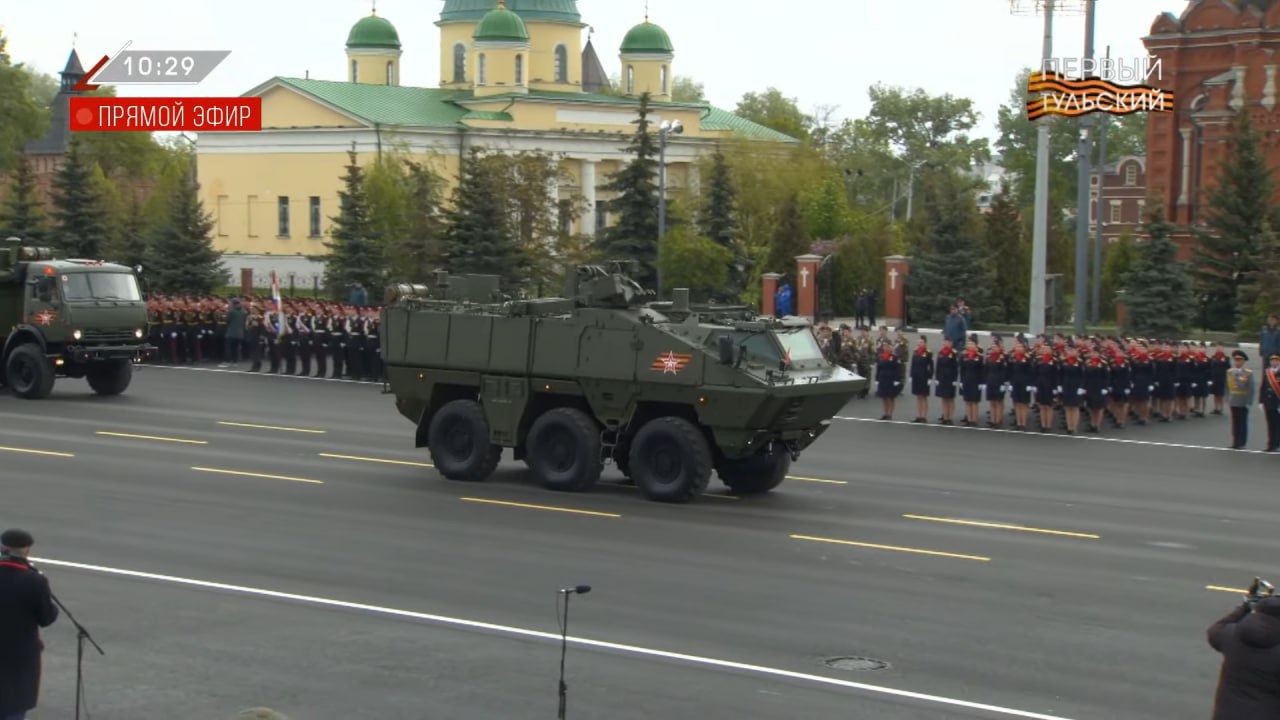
{"type": "Point", "coordinates": [947, 370]}
{"type": "Point", "coordinates": [922, 379]}
{"type": "Point", "coordinates": [1022, 383]}
{"type": "Point", "coordinates": [1218, 364]}
{"type": "Point", "coordinates": [1046, 374]}
{"type": "Point", "coordinates": [1163, 364]}
{"type": "Point", "coordinates": [1199, 380]}
{"type": "Point", "coordinates": [971, 381]}
{"type": "Point", "coordinates": [1121, 385]}
{"type": "Point", "coordinates": [1071, 387]}
{"type": "Point", "coordinates": [1183, 380]}
{"type": "Point", "coordinates": [888, 380]}
{"type": "Point", "coordinates": [996, 378]}
{"type": "Point", "coordinates": [1142, 375]}
{"type": "Point", "coordinates": [1097, 386]}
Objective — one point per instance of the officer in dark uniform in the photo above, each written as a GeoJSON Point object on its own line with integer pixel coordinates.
{"type": "Point", "coordinates": [373, 347]}
{"type": "Point", "coordinates": [355, 345]}
{"type": "Point", "coordinates": [338, 332]}
{"type": "Point", "coordinates": [170, 329]}
{"type": "Point", "coordinates": [258, 338]}
{"type": "Point", "coordinates": [320, 341]}
{"type": "Point", "coordinates": [289, 342]}
{"type": "Point", "coordinates": [155, 326]}
{"type": "Point", "coordinates": [305, 339]}
{"type": "Point", "coordinates": [1269, 397]}
{"type": "Point", "coordinates": [275, 324]}
{"type": "Point", "coordinates": [26, 605]}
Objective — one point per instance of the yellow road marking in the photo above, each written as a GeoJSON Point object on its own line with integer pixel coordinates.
{"type": "Point", "coordinates": [271, 427]}
{"type": "Point", "coordinates": [540, 507]}
{"type": "Point", "coordinates": [375, 460]}
{"type": "Point", "coordinates": [1219, 588]}
{"type": "Point", "coordinates": [891, 547]}
{"type": "Point", "coordinates": [36, 452]}
{"type": "Point", "coordinates": [722, 497]}
{"type": "Point", "coordinates": [151, 437]}
{"type": "Point", "coordinates": [257, 475]}
{"type": "Point", "coordinates": [999, 526]}
{"type": "Point", "coordinates": [818, 480]}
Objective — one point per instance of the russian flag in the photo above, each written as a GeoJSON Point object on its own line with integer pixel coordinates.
{"type": "Point", "coordinates": [275, 301]}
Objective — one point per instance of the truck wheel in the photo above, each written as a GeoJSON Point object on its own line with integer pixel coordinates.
{"type": "Point", "coordinates": [756, 474]}
{"type": "Point", "coordinates": [670, 460]}
{"type": "Point", "coordinates": [109, 378]}
{"type": "Point", "coordinates": [564, 450]}
{"type": "Point", "coordinates": [29, 373]}
{"type": "Point", "coordinates": [458, 439]}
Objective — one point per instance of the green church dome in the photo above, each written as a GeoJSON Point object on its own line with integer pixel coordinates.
{"type": "Point", "coordinates": [647, 38]}
{"type": "Point", "coordinates": [503, 25]}
{"type": "Point", "coordinates": [565, 11]}
{"type": "Point", "coordinates": [373, 32]}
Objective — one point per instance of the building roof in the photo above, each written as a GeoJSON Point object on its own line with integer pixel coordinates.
{"type": "Point", "coordinates": [58, 137]}
{"type": "Point", "coordinates": [647, 38]}
{"type": "Point", "coordinates": [393, 105]}
{"type": "Point", "coordinates": [373, 32]}
{"type": "Point", "coordinates": [565, 11]}
{"type": "Point", "coordinates": [502, 25]}
{"type": "Point", "coordinates": [594, 76]}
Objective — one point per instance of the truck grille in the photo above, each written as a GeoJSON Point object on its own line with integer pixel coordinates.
{"type": "Point", "coordinates": [108, 337]}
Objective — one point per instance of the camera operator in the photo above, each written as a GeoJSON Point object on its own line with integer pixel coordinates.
{"type": "Point", "coordinates": [1249, 640]}
{"type": "Point", "coordinates": [26, 605]}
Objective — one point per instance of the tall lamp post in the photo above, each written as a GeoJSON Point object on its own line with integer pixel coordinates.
{"type": "Point", "coordinates": [665, 131]}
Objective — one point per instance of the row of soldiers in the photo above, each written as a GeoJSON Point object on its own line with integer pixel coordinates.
{"type": "Point", "coordinates": [332, 339]}
{"type": "Point", "coordinates": [1105, 377]}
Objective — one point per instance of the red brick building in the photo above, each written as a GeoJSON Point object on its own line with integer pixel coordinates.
{"type": "Point", "coordinates": [46, 154]}
{"type": "Point", "coordinates": [1124, 197]}
{"type": "Point", "coordinates": [1218, 56]}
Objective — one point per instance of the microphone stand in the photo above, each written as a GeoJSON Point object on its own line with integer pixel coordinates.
{"type": "Point", "coordinates": [564, 646]}
{"type": "Point", "coordinates": [82, 635]}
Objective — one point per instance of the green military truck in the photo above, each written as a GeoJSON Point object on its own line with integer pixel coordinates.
{"type": "Point", "coordinates": [668, 392]}
{"type": "Point", "coordinates": [70, 318]}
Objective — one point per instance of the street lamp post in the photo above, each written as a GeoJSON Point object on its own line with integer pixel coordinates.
{"type": "Point", "coordinates": [664, 132]}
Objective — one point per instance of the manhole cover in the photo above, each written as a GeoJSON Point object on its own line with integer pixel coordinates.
{"type": "Point", "coordinates": [855, 663]}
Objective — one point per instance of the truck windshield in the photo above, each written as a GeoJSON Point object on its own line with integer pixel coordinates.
{"type": "Point", "coordinates": [100, 286]}
{"type": "Point", "coordinates": [800, 345]}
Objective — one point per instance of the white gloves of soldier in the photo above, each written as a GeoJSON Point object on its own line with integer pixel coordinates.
{"type": "Point", "coordinates": [1031, 388]}
{"type": "Point", "coordinates": [1081, 391]}
{"type": "Point", "coordinates": [982, 387]}
{"type": "Point", "coordinates": [1106, 391]}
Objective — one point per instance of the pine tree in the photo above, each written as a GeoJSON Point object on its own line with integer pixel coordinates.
{"type": "Point", "coordinates": [635, 236]}
{"type": "Point", "coordinates": [719, 223]}
{"type": "Point", "coordinates": [789, 240]}
{"type": "Point", "coordinates": [182, 257]}
{"type": "Point", "coordinates": [1007, 246]}
{"type": "Point", "coordinates": [130, 244]}
{"type": "Point", "coordinates": [1263, 285]}
{"type": "Point", "coordinates": [1159, 293]}
{"type": "Point", "coordinates": [23, 216]}
{"type": "Point", "coordinates": [417, 252]}
{"type": "Point", "coordinates": [478, 237]}
{"type": "Point", "coordinates": [79, 208]}
{"type": "Point", "coordinates": [951, 262]}
{"type": "Point", "coordinates": [355, 253]}
{"type": "Point", "coordinates": [1237, 208]}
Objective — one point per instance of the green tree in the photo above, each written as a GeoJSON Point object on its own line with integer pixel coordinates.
{"type": "Point", "coordinates": [529, 178]}
{"type": "Point", "coordinates": [1238, 207]}
{"type": "Point", "coordinates": [718, 221]}
{"type": "Point", "coordinates": [825, 206]}
{"type": "Point", "coordinates": [691, 261]}
{"type": "Point", "coordinates": [23, 215]}
{"type": "Point", "coordinates": [776, 111]}
{"type": "Point", "coordinates": [790, 238]}
{"type": "Point", "coordinates": [130, 246]}
{"type": "Point", "coordinates": [22, 116]}
{"type": "Point", "coordinates": [1117, 262]}
{"type": "Point", "coordinates": [386, 191]}
{"type": "Point", "coordinates": [79, 207]}
{"type": "Point", "coordinates": [478, 236]}
{"type": "Point", "coordinates": [1158, 297]}
{"type": "Point", "coordinates": [1005, 243]}
{"type": "Point", "coordinates": [416, 252]}
{"type": "Point", "coordinates": [355, 253]}
{"type": "Point", "coordinates": [635, 236]}
{"type": "Point", "coordinates": [950, 261]}
{"type": "Point", "coordinates": [687, 90]}
{"type": "Point", "coordinates": [182, 257]}
{"type": "Point", "coordinates": [926, 128]}
{"type": "Point", "coordinates": [1263, 285]}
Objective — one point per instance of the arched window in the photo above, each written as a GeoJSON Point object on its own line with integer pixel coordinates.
{"type": "Point", "coordinates": [519, 70]}
{"type": "Point", "coordinates": [631, 80]}
{"type": "Point", "coordinates": [484, 75]}
{"type": "Point", "coordinates": [459, 63]}
{"type": "Point", "coordinates": [391, 73]}
{"type": "Point", "coordinates": [562, 64]}
{"type": "Point", "coordinates": [355, 67]}
{"type": "Point", "coordinates": [666, 77]}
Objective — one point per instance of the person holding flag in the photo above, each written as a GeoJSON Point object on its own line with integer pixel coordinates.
{"type": "Point", "coordinates": [1269, 398]}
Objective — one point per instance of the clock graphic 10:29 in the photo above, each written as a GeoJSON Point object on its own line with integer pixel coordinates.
{"type": "Point", "coordinates": [160, 66]}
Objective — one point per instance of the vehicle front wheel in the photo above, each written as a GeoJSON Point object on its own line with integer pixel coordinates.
{"type": "Point", "coordinates": [458, 439]}
{"type": "Point", "coordinates": [670, 460]}
{"type": "Point", "coordinates": [111, 377]}
{"type": "Point", "coordinates": [564, 450]}
{"type": "Point", "coordinates": [756, 474]}
{"type": "Point", "coordinates": [29, 373]}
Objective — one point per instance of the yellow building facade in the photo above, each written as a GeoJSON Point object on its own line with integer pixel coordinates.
{"type": "Point", "coordinates": [515, 76]}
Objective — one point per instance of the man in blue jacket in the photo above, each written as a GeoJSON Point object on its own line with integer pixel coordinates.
{"type": "Point", "coordinates": [1269, 342]}
{"type": "Point", "coordinates": [956, 328]}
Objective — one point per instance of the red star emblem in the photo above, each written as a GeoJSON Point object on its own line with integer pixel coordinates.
{"type": "Point", "coordinates": [46, 317]}
{"type": "Point", "coordinates": [670, 364]}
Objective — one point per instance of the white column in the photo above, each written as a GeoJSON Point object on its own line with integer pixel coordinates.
{"type": "Point", "coordinates": [1237, 90]}
{"type": "Point", "coordinates": [589, 194]}
{"type": "Point", "coordinates": [1269, 90]}
{"type": "Point", "coordinates": [1186, 166]}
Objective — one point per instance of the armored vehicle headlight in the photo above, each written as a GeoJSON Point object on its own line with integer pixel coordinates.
{"type": "Point", "coordinates": [137, 334]}
{"type": "Point", "coordinates": [75, 335]}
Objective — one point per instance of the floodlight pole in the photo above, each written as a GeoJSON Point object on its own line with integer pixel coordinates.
{"type": "Point", "coordinates": [1040, 232]}
{"type": "Point", "coordinates": [1085, 154]}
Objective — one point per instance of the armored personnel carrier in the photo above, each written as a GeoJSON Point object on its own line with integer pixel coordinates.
{"type": "Point", "coordinates": [668, 392]}
{"type": "Point", "coordinates": [74, 318]}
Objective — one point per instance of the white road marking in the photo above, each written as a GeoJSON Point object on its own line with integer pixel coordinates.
{"type": "Point", "coordinates": [263, 373]}
{"type": "Point", "coordinates": [1093, 438]}
{"type": "Point", "coordinates": [523, 632]}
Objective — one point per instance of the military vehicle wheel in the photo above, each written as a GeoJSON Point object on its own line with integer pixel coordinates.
{"type": "Point", "coordinates": [109, 378]}
{"type": "Point", "coordinates": [458, 439]}
{"type": "Point", "coordinates": [756, 474]}
{"type": "Point", "coordinates": [670, 460]}
{"type": "Point", "coordinates": [564, 450]}
{"type": "Point", "coordinates": [29, 373]}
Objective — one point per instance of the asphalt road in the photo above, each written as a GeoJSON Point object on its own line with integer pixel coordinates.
{"type": "Point", "coordinates": [281, 485]}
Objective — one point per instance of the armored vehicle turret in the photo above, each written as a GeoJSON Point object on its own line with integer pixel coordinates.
{"type": "Point", "coordinates": [669, 392]}
{"type": "Point", "coordinates": [74, 318]}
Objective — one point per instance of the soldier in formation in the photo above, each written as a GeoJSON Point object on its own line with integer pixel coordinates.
{"type": "Point", "coordinates": [305, 337]}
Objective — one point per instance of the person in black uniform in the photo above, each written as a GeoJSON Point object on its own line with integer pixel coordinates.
{"type": "Point", "coordinates": [1248, 638]}
{"type": "Point", "coordinates": [306, 341]}
{"type": "Point", "coordinates": [995, 376]}
{"type": "Point", "coordinates": [320, 341]}
{"type": "Point", "coordinates": [373, 345]}
{"type": "Point", "coordinates": [1269, 398]}
{"type": "Point", "coordinates": [1021, 384]}
{"type": "Point", "coordinates": [1121, 379]}
{"type": "Point", "coordinates": [1218, 365]}
{"type": "Point", "coordinates": [1164, 364]}
{"type": "Point", "coordinates": [1199, 380]}
{"type": "Point", "coordinates": [946, 373]}
{"type": "Point", "coordinates": [922, 379]}
{"type": "Point", "coordinates": [1046, 374]}
{"type": "Point", "coordinates": [888, 380]}
{"type": "Point", "coordinates": [1071, 387]}
{"type": "Point", "coordinates": [289, 342]}
{"type": "Point", "coordinates": [1143, 375]}
{"type": "Point", "coordinates": [26, 605]}
{"type": "Point", "coordinates": [1097, 386]}
{"type": "Point", "coordinates": [275, 324]}
{"type": "Point", "coordinates": [971, 381]}
{"type": "Point", "coordinates": [338, 333]}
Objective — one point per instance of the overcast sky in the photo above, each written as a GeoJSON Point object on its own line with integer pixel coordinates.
{"type": "Point", "coordinates": [972, 48]}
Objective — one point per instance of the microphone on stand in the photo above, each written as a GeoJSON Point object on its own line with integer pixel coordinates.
{"type": "Point", "coordinates": [577, 589]}
{"type": "Point", "coordinates": [564, 641]}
